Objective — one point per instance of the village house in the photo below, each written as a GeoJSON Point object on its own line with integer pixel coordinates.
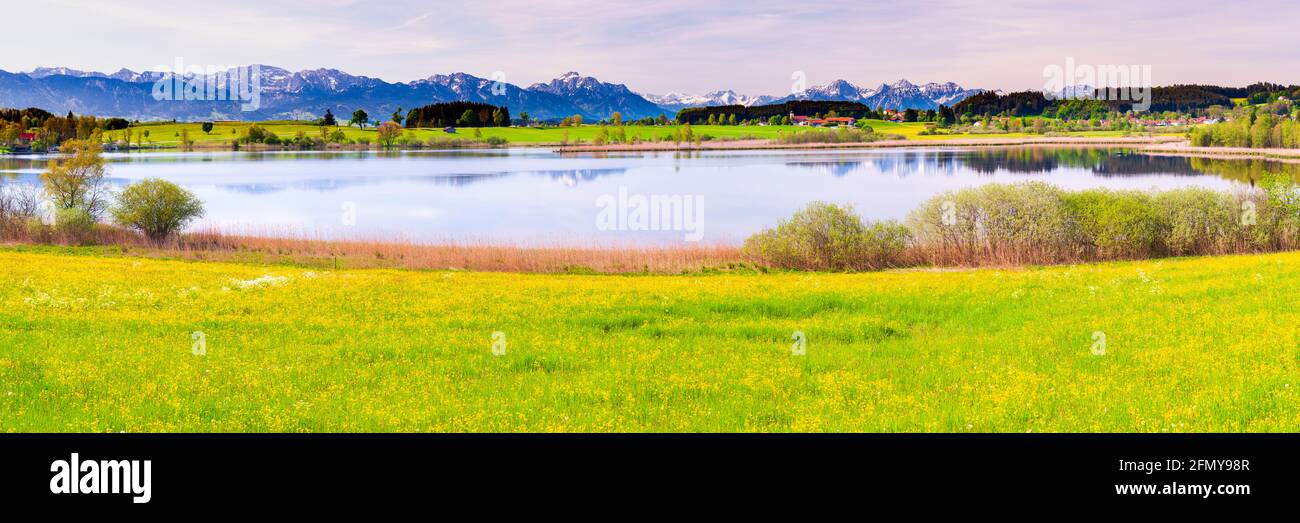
{"type": "Point", "coordinates": [24, 143]}
{"type": "Point", "coordinates": [820, 122]}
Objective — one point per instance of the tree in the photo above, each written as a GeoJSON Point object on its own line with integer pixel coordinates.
{"type": "Point", "coordinates": [359, 118]}
{"type": "Point", "coordinates": [469, 118]}
{"type": "Point", "coordinates": [388, 133]}
{"type": "Point", "coordinates": [207, 127]}
{"type": "Point", "coordinates": [616, 118]}
{"type": "Point", "coordinates": [499, 118]}
{"type": "Point", "coordinates": [397, 116]}
{"type": "Point", "coordinates": [328, 119]}
{"type": "Point", "coordinates": [155, 207]}
{"type": "Point", "coordinates": [78, 181]}
{"type": "Point", "coordinates": [524, 118]}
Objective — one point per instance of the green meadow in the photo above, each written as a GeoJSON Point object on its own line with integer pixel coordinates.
{"type": "Point", "coordinates": [91, 342]}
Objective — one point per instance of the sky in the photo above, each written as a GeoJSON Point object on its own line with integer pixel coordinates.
{"type": "Point", "coordinates": [656, 46]}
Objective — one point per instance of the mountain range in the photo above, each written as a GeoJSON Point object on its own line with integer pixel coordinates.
{"type": "Point", "coordinates": [308, 94]}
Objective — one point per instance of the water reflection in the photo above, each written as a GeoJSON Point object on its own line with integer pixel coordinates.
{"type": "Point", "coordinates": [537, 195]}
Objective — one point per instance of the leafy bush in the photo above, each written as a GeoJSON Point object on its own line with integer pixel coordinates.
{"type": "Point", "coordinates": [1115, 224]}
{"type": "Point", "coordinates": [824, 236]}
{"type": "Point", "coordinates": [259, 134]}
{"type": "Point", "coordinates": [74, 225]}
{"type": "Point", "coordinates": [37, 230]}
{"type": "Point", "coordinates": [1010, 221]}
{"type": "Point", "coordinates": [1198, 221]}
{"type": "Point", "coordinates": [157, 208]}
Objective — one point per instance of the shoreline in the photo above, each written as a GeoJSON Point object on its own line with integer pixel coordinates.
{"type": "Point", "coordinates": [1167, 145]}
{"type": "Point", "coordinates": [1173, 146]}
{"type": "Point", "coordinates": [741, 145]}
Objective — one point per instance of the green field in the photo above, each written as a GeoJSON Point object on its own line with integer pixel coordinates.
{"type": "Point", "coordinates": [106, 343]}
{"type": "Point", "coordinates": [168, 134]}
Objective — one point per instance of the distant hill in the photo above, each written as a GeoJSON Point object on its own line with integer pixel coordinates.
{"type": "Point", "coordinates": [898, 96]}
{"type": "Point", "coordinates": [1178, 98]}
{"type": "Point", "coordinates": [308, 94]}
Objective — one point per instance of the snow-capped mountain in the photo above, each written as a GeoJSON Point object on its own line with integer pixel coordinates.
{"type": "Point", "coordinates": [898, 96]}
{"type": "Point", "coordinates": [1071, 92]}
{"type": "Point", "coordinates": [678, 101]}
{"type": "Point", "coordinates": [596, 97]}
{"type": "Point", "coordinates": [309, 93]}
{"type": "Point", "coordinates": [42, 72]}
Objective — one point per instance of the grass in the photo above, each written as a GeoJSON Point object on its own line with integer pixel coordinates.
{"type": "Point", "coordinates": [168, 134]}
{"type": "Point", "coordinates": [94, 343]}
{"type": "Point", "coordinates": [397, 254]}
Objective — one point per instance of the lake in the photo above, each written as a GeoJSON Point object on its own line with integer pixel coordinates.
{"type": "Point", "coordinates": [535, 196]}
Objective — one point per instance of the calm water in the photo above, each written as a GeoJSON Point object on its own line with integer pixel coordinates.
{"type": "Point", "coordinates": [533, 195]}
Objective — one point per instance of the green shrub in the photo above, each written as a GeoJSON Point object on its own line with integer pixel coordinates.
{"type": "Point", "coordinates": [258, 134]}
{"type": "Point", "coordinates": [996, 219]}
{"type": "Point", "coordinates": [1198, 221]}
{"type": "Point", "coordinates": [74, 225]}
{"type": "Point", "coordinates": [157, 208]}
{"type": "Point", "coordinates": [824, 236]}
{"type": "Point", "coordinates": [37, 230]}
{"type": "Point", "coordinates": [1115, 224]}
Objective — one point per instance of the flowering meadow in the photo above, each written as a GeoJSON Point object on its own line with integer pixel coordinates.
{"type": "Point", "coordinates": [93, 343]}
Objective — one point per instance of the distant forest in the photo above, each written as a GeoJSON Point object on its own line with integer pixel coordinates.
{"type": "Point", "coordinates": [458, 114]}
{"type": "Point", "coordinates": [49, 129]}
{"type": "Point", "coordinates": [1177, 98]}
{"type": "Point", "coordinates": [698, 115]}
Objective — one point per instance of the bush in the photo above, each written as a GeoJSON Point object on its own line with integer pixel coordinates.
{"type": "Point", "coordinates": [157, 208]}
{"type": "Point", "coordinates": [116, 124]}
{"type": "Point", "coordinates": [18, 203]}
{"type": "Point", "coordinates": [74, 225]}
{"type": "Point", "coordinates": [1010, 222]}
{"type": "Point", "coordinates": [824, 236]}
{"type": "Point", "coordinates": [37, 230]}
{"type": "Point", "coordinates": [496, 141]}
{"type": "Point", "coordinates": [1199, 221]}
{"type": "Point", "coordinates": [1116, 224]}
{"type": "Point", "coordinates": [258, 134]}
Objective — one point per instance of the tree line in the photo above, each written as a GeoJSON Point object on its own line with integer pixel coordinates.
{"type": "Point", "coordinates": [1176, 98]}
{"type": "Point", "coordinates": [458, 114]}
{"type": "Point", "coordinates": [49, 130]}
{"type": "Point", "coordinates": [764, 113]}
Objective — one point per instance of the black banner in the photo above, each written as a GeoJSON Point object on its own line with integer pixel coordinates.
{"type": "Point", "coordinates": [162, 473]}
